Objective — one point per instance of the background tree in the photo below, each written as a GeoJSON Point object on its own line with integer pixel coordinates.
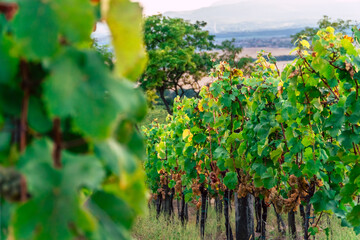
{"type": "Point", "coordinates": [177, 57]}
{"type": "Point", "coordinates": [230, 53]}
{"type": "Point", "coordinates": [339, 25]}
{"type": "Point", "coordinates": [105, 52]}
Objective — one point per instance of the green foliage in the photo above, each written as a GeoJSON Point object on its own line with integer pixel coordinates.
{"type": "Point", "coordinates": [157, 113]}
{"type": "Point", "coordinates": [176, 58]}
{"type": "Point", "coordinates": [230, 180]}
{"type": "Point", "coordinates": [230, 54]}
{"type": "Point", "coordinates": [308, 33]}
{"type": "Point", "coordinates": [57, 196]}
{"type": "Point", "coordinates": [230, 51]}
{"type": "Point", "coordinates": [292, 138]}
{"type": "Point", "coordinates": [73, 119]}
{"type": "Point", "coordinates": [106, 53]}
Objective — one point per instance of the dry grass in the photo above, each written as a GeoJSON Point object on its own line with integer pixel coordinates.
{"type": "Point", "coordinates": [252, 52]}
{"type": "Point", "coordinates": [148, 227]}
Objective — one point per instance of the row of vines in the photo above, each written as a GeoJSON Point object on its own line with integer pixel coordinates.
{"type": "Point", "coordinates": [288, 140]}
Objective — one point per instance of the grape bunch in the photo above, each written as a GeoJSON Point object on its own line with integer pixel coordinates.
{"type": "Point", "coordinates": [10, 184]}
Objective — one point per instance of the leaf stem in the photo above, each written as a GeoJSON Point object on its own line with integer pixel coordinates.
{"type": "Point", "coordinates": [25, 103]}
{"type": "Point", "coordinates": [283, 131]}
{"type": "Point", "coordinates": [57, 141]}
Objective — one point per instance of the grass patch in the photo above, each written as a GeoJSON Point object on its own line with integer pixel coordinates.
{"type": "Point", "coordinates": [157, 112]}
{"type": "Point", "coordinates": [148, 227]}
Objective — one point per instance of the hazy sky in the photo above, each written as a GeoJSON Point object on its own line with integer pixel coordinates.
{"type": "Point", "coordinates": [160, 6]}
{"type": "Point", "coordinates": [155, 6]}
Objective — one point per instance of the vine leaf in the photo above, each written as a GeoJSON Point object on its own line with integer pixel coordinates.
{"type": "Point", "coordinates": [200, 138]}
{"type": "Point", "coordinates": [37, 117]}
{"type": "Point", "coordinates": [36, 39]}
{"type": "Point", "coordinates": [116, 157]}
{"type": "Point", "coordinates": [61, 215]}
{"type": "Point", "coordinates": [230, 180]}
{"type": "Point", "coordinates": [42, 38]}
{"type": "Point", "coordinates": [124, 19]}
{"type": "Point", "coordinates": [353, 216]}
{"type": "Point", "coordinates": [128, 180]}
{"type": "Point", "coordinates": [8, 63]}
{"type": "Point", "coordinates": [82, 19]}
{"type": "Point", "coordinates": [221, 153]}
{"type": "Point", "coordinates": [82, 96]}
{"type": "Point", "coordinates": [115, 216]}
{"type": "Point", "coordinates": [276, 154]}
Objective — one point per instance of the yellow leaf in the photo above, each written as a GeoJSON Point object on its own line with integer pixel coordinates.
{"type": "Point", "coordinates": [125, 21]}
{"type": "Point", "coordinates": [349, 38]}
{"type": "Point", "coordinates": [187, 134]}
{"type": "Point", "coordinates": [200, 106]}
{"type": "Point", "coordinates": [280, 88]}
{"type": "Point", "coordinates": [330, 30]}
{"type": "Point", "coordinates": [305, 43]}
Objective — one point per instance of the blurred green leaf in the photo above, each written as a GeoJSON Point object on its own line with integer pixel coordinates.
{"type": "Point", "coordinates": [125, 22]}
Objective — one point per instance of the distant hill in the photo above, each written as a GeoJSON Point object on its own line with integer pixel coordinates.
{"type": "Point", "coordinates": [255, 15]}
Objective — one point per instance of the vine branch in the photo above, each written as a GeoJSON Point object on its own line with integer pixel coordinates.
{"type": "Point", "coordinates": [57, 141]}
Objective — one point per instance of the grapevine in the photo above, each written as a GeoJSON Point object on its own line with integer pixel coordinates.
{"type": "Point", "coordinates": [69, 148]}
{"type": "Point", "coordinates": [289, 139]}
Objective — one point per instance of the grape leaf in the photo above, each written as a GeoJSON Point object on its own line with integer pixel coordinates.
{"type": "Point", "coordinates": [115, 216]}
{"type": "Point", "coordinates": [56, 191]}
{"type": "Point", "coordinates": [84, 93]}
{"type": "Point", "coordinates": [353, 216]}
{"type": "Point", "coordinates": [37, 116]}
{"type": "Point", "coordinates": [8, 63]}
{"type": "Point", "coordinates": [116, 157]}
{"type": "Point", "coordinates": [125, 23]}
{"type": "Point", "coordinates": [36, 34]}
{"type": "Point", "coordinates": [230, 180]}
{"type": "Point", "coordinates": [199, 138]}
{"type": "Point", "coordinates": [82, 16]}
